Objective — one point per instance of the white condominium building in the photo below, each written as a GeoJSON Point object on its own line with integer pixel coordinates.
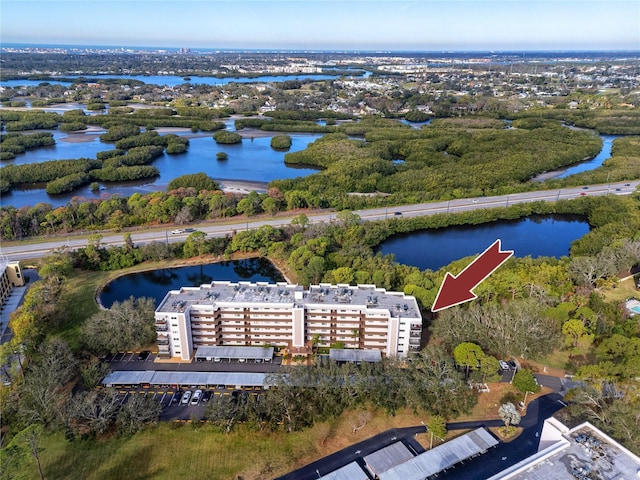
{"type": "Point", "coordinates": [283, 315]}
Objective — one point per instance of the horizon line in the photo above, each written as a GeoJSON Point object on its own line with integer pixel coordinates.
{"type": "Point", "coordinates": [4, 45]}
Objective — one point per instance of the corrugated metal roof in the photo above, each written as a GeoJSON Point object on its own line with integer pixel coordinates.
{"type": "Point", "coordinates": [350, 471]}
{"type": "Point", "coordinates": [247, 353]}
{"type": "Point", "coordinates": [388, 457]}
{"type": "Point", "coordinates": [442, 457]}
{"type": "Point", "coordinates": [128, 377]}
{"type": "Point", "coordinates": [246, 379]}
{"type": "Point", "coordinates": [354, 355]}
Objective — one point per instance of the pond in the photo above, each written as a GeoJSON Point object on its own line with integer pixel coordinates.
{"type": "Point", "coordinates": [156, 283]}
{"type": "Point", "coordinates": [537, 236]}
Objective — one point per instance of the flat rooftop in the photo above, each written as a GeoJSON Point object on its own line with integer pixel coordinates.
{"type": "Point", "coordinates": [224, 293]}
{"type": "Point", "coordinates": [583, 453]}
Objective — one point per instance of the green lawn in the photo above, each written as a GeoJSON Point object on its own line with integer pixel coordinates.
{"type": "Point", "coordinates": [166, 452]}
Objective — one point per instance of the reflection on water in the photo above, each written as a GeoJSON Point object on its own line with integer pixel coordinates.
{"type": "Point", "coordinates": [538, 236]}
{"type": "Point", "coordinates": [156, 283]}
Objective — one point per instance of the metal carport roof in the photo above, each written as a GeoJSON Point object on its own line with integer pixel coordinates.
{"type": "Point", "coordinates": [442, 457]}
{"type": "Point", "coordinates": [247, 353]}
{"type": "Point", "coordinates": [350, 471]}
{"type": "Point", "coordinates": [244, 379]}
{"type": "Point", "coordinates": [354, 355]}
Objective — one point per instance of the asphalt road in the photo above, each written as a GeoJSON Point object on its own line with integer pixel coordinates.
{"type": "Point", "coordinates": [28, 250]}
{"type": "Point", "coordinates": [505, 455]}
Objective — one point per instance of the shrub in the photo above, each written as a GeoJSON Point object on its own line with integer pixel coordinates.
{"type": "Point", "coordinates": [281, 142]}
{"type": "Point", "coordinates": [227, 138]}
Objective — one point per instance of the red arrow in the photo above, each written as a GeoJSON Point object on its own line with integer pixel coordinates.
{"type": "Point", "coordinates": [457, 290]}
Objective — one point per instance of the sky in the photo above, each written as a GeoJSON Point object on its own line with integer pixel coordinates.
{"type": "Point", "coordinates": [424, 25]}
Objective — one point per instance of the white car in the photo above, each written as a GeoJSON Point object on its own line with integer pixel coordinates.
{"type": "Point", "coordinates": [196, 397]}
{"type": "Point", "coordinates": [177, 232]}
{"type": "Point", "coordinates": [503, 365]}
{"type": "Point", "coordinates": [186, 396]}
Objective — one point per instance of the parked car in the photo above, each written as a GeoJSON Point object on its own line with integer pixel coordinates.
{"type": "Point", "coordinates": [143, 355]}
{"type": "Point", "coordinates": [197, 395]}
{"type": "Point", "coordinates": [186, 396]}
{"type": "Point", "coordinates": [503, 365]}
{"type": "Point", "coordinates": [206, 396]}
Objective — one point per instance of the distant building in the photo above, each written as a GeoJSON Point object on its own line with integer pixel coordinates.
{"type": "Point", "coordinates": [11, 277]}
{"type": "Point", "coordinates": [287, 316]}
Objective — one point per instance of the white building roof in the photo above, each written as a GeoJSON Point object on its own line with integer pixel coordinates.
{"type": "Point", "coordinates": [319, 296]}
{"type": "Point", "coordinates": [582, 452]}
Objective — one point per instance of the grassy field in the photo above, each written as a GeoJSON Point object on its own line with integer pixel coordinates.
{"type": "Point", "coordinates": [171, 452]}
{"type": "Point", "coordinates": [623, 290]}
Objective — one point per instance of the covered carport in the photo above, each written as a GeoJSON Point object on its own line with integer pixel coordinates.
{"type": "Point", "coordinates": [234, 354]}
{"type": "Point", "coordinates": [354, 355]}
{"type": "Point", "coordinates": [442, 457]}
{"type": "Point", "coordinates": [204, 380]}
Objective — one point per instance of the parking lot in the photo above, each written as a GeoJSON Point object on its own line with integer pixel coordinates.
{"type": "Point", "coordinates": [144, 356]}
{"type": "Point", "coordinates": [171, 400]}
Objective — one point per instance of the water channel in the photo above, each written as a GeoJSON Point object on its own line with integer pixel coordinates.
{"type": "Point", "coordinates": [156, 283]}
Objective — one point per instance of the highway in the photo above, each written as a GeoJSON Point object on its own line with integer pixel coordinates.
{"type": "Point", "coordinates": [36, 248]}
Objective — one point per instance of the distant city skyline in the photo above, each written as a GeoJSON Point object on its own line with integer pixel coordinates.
{"type": "Point", "coordinates": [426, 25]}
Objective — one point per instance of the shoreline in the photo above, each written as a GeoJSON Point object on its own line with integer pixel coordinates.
{"type": "Point", "coordinates": [193, 261]}
{"type": "Point", "coordinates": [242, 186]}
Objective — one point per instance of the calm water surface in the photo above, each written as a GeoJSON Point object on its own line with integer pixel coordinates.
{"type": "Point", "coordinates": [174, 80]}
{"type": "Point", "coordinates": [538, 236]}
{"type": "Point", "coordinates": [157, 283]}
{"type": "Point", "coordinates": [605, 153]}
{"type": "Point", "coordinates": [251, 160]}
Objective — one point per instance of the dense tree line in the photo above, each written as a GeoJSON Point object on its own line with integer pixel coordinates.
{"type": "Point", "coordinates": [12, 144]}
{"type": "Point", "coordinates": [12, 121]}
{"type": "Point", "coordinates": [486, 160]}
{"type": "Point", "coordinates": [304, 395]}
